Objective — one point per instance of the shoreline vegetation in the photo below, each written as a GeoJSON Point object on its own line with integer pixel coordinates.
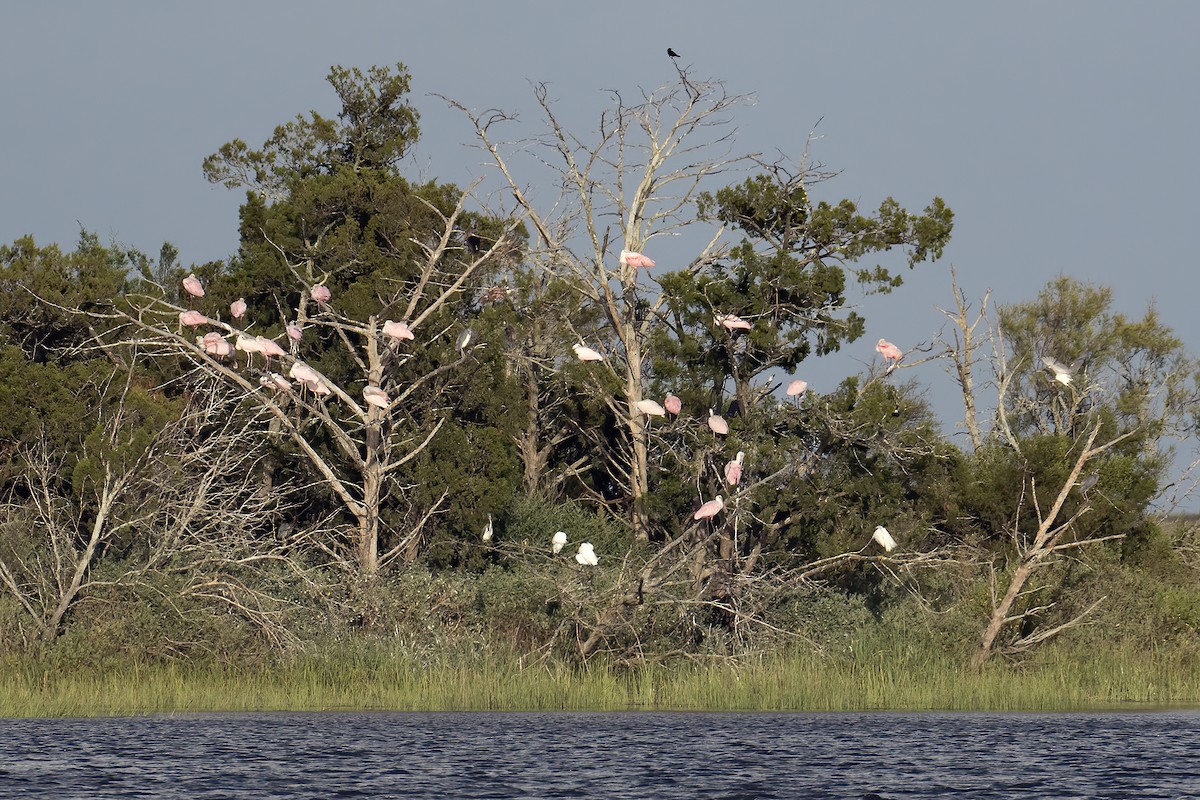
{"type": "Point", "coordinates": [1120, 681]}
{"type": "Point", "coordinates": [418, 446]}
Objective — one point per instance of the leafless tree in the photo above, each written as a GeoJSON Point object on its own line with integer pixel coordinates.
{"type": "Point", "coordinates": [637, 181]}
{"type": "Point", "coordinates": [183, 499]}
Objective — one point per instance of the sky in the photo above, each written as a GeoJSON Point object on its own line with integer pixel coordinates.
{"type": "Point", "coordinates": [1063, 134]}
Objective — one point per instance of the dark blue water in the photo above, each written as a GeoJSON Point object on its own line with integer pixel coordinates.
{"type": "Point", "coordinates": [626, 755]}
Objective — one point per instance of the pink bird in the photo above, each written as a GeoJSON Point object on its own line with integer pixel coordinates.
{"type": "Point", "coordinates": [248, 345]}
{"type": "Point", "coordinates": [797, 388]}
{"type": "Point", "coordinates": [304, 373]}
{"type": "Point", "coordinates": [270, 348]}
{"type": "Point", "coordinates": [733, 470]}
{"type": "Point", "coordinates": [309, 378]}
{"type": "Point", "coordinates": [650, 408]}
{"type": "Point", "coordinates": [376, 397]}
{"type": "Point", "coordinates": [274, 380]}
{"type": "Point", "coordinates": [710, 509]}
{"type": "Point", "coordinates": [238, 308]}
{"type": "Point", "coordinates": [397, 330]}
{"type": "Point", "coordinates": [192, 318]}
{"type": "Point", "coordinates": [585, 353]}
{"type": "Point", "coordinates": [673, 405]}
{"type": "Point", "coordinates": [717, 423]}
{"type": "Point", "coordinates": [215, 344]}
{"type": "Point", "coordinates": [635, 260]}
{"type": "Point", "coordinates": [294, 332]}
{"type": "Point", "coordinates": [888, 350]}
{"type": "Point", "coordinates": [192, 286]}
{"type": "Point", "coordinates": [321, 293]}
{"type": "Point", "coordinates": [732, 322]}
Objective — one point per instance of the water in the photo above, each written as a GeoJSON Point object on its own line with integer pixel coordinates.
{"type": "Point", "coordinates": [626, 755]}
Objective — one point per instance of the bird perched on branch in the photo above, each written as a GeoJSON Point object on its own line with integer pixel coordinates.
{"type": "Point", "coordinates": [672, 53]}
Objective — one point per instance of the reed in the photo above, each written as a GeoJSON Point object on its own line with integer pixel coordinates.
{"type": "Point", "coordinates": [375, 679]}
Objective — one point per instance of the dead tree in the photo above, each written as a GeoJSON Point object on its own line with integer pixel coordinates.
{"type": "Point", "coordinates": [638, 181]}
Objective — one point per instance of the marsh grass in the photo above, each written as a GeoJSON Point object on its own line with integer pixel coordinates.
{"type": "Point", "coordinates": [376, 679]}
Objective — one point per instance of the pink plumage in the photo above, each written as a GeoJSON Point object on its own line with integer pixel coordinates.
{"type": "Point", "coordinates": [888, 350]}
{"type": "Point", "coordinates": [710, 509]}
{"type": "Point", "coordinates": [238, 308]}
{"type": "Point", "coordinates": [797, 388]}
{"type": "Point", "coordinates": [717, 423]}
{"type": "Point", "coordinates": [321, 293]}
{"type": "Point", "coordinates": [192, 286]}
{"type": "Point", "coordinates": [733, 470]}
{"type": "Point", "coordinates": [673, 405]}
{"type": "Point", "coordinates": [192, 318]}
{"type": "Point", "coordinates": [635, 260]}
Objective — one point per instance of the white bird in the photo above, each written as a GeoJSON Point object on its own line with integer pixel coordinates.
{"type": "Point", "coordinates": [650, 408]}
{"type": "Point", "coordinates": [585, 353]}
{"type": "Point", "coordinates": [884, 539]}
{"type": "Point", "coordinates": [587, 555]}
{"type": "Point", "coordinates": [558, 541]}
{"type": "Point", "coordinates": [717, 423]}
{"type": "Point", "coordinates": [1062, 374]}
{"type": "Point", "coordinates": [487, 530]}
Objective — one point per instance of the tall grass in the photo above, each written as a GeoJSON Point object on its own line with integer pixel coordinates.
{"type": "Point", "coordinates": [374, 679]}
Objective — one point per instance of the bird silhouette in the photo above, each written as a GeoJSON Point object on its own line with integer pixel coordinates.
{"type": "Point", "coordinates": [672, 53]}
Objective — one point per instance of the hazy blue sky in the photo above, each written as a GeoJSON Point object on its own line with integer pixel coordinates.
{"type": "Point", "coordinates": [1063, 134]}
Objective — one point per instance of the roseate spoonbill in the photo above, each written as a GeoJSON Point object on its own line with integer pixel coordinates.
{"type": "Point", "coordinates": [215, 344]}
{"type": "Point", "coordinates": [673, 405]}
{"type": "Point", "coordinates": [376, 397]}
{"type": "Point", "coordinates": [269, 347]}
{"type": "Point", "coordinates": [1062, 374]}
{"type": "Point", "coordinates": [888, 350]}
{"type": "Point", "coordinates": [248, 345]}
{"type": "Point", "coordinates": [273, 380]}
{"type": "Point", "coordinates": [672, 53]}
{"type": "Point", "coordinates": [732, 322]}
{"type": "Point", "coordinates": [464, 339]}
{"type": "Point", "coordinates": [488, 530]}
{"type": "Point", "coordinates": [797, 388]}
{"type": "Point", "coordinates": [558, 541]}
{"type": "Point", "coordinates": [710, 509]}
{"type": "Point", "coordinates": [238, 308]}
{"type": "Point", "coordinates": [294, 332]}
{"type": "Point", "coordinates": [192, 285]}
{"type": "Point", "coordinates": [733, 470]}
{"type": "Point", "coordinates": [587, 555]}
{"type": "Point", "coordinates": [309, 378]}
{"type": "Point", "coordinates": [717, 423]}
{"type": "Point", "coordinates": [884, 539]}
{"type": "Point", "coordinates": [192, 318]}
{"type": "Point", "coordinates": [397, 330]}
{"type": "Point", "coordinates": [321, 293]}
{"type": "Point", "coordinates": [635, 260]}
{"type": "Point", "coordinates": [650, 408]}
{"type": "Point", "coordinates": [585, 353]}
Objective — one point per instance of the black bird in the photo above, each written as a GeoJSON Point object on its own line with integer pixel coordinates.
{"type": "Point", "coordinates": [474, 243]}
{"type": "Point", "coordinates": [672, 53]}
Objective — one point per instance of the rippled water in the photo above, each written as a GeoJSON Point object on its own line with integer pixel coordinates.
{"type": "Point", "coordinates": [624, 755]}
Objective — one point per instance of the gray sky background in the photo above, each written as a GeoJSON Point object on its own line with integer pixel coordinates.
{"type": "Point", "coordinates": [1062, 134]}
